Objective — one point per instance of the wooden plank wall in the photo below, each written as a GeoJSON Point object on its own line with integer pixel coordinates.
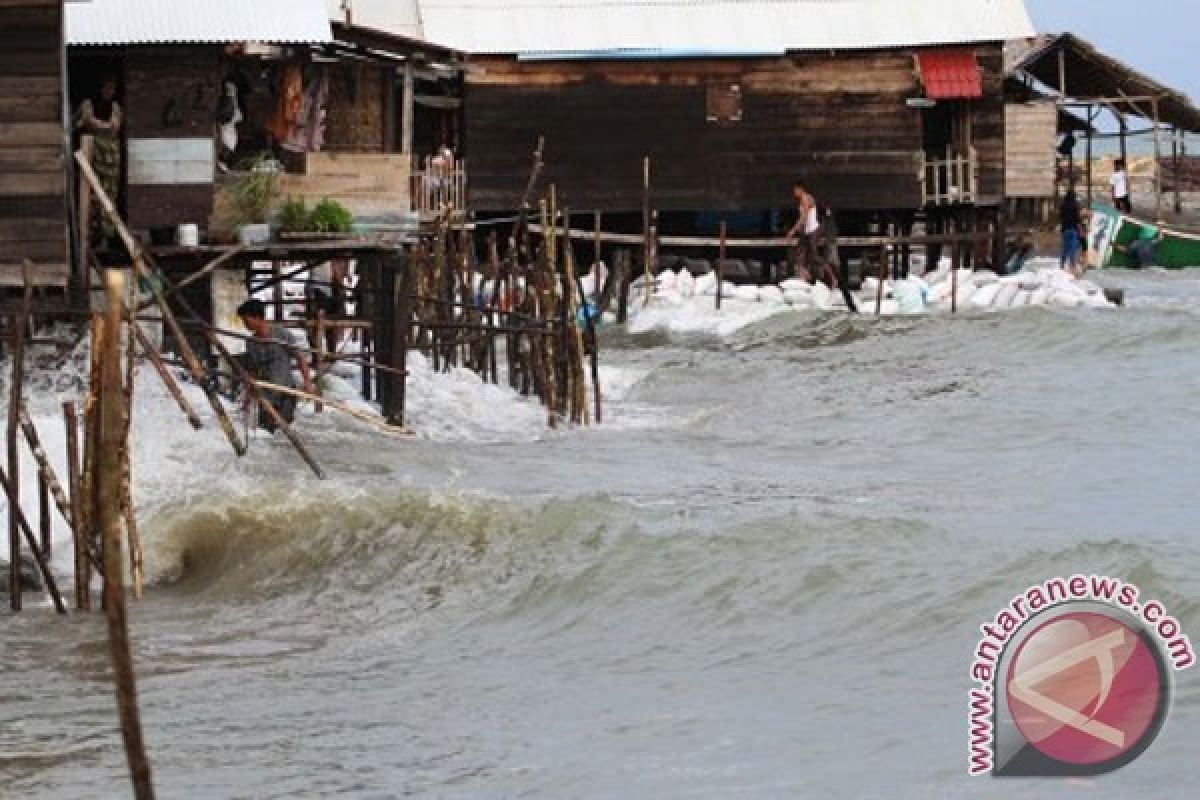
{"type": "Point", "coordinates": [1030, 145]}
{"type": "Point", "coordinates": [33, 222]}
{"type": "Point", "coordinates": [987, 126]}
{"type": "Point", "coordinates": [839, 121]}
{"type": "Point", "coordinates": [171, 93]}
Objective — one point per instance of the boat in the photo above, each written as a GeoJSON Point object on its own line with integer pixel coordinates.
{"type": "Point", "coordinates": [1110, 230]}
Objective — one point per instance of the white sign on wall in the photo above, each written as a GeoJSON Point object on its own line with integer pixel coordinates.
{"type": "Point", "coordinates": [171, 162]}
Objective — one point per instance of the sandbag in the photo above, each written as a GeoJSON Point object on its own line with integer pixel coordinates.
{"type": "Point", "coordinates": [747, 293]}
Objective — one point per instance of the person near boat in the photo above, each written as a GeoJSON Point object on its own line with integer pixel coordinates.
{"type": "Point", "coordinates": [1071, 222]}
{"type": "Point", "coordinates": [101, 118]}
{"type": "Point", "coordinates": [1119, 182]}
{"type": "Point", "coordinates": [268, 358]}
{"type": "Point", "coordinates": [1144, 249]}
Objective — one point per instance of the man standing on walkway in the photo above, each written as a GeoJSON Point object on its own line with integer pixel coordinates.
{"type": "Point", "coordinates": [1120, 187]}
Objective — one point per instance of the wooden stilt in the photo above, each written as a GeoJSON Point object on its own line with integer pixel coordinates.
{"type": "Point", "coordinates": [112, 425]}
{"type": "Point", "coordinates": [79, 538]}
{"type": "Point", "coordinates": [20, 329]}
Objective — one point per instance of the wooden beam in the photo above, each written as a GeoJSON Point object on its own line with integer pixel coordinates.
{"type": "Point", "coordinates": [407, 105]}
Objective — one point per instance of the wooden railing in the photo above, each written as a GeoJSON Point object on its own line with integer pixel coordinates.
{"type": "Point", "coordinates": [439, 185]}
{"type": "Point", "coordinates": [950, 180]}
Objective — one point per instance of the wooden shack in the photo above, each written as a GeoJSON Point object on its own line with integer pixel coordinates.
{"type": "Point", "coordinates": [350, 89]}
{"type": "Point", "coordinates": [732, 102]}
{"type": "Point", "coordinates": [33, 219]}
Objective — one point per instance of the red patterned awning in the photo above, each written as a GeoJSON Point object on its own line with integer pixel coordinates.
{"type": "Point", "coordinates": [950, 74]}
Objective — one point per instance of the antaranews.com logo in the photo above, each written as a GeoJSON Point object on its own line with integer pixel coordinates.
{"type": "Point", "coordinates": [1072, 678]}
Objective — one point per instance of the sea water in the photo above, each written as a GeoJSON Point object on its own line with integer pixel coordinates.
{"type": "Point", "coordinates": [762, 576]}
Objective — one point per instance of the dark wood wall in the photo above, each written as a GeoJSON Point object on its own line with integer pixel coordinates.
{"type": "Point", "coordinates": [170, 93]}
{"type": "Point", "coordinates": [987, 126]}
{"type": "Point", "coordinates": [33, 222]}
{"type": "Point", "coordinates": [838, 121]}
{"type": "Point", "coordinates": [354, 119]}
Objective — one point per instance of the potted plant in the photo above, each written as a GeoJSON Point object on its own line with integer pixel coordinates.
{"type": "Point", "coordinates": [252, 194]}
{"type": "Point", "coordinates": [329, 219]}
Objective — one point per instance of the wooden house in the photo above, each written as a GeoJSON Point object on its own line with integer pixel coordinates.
{"type": "Point", "coordinates": [330, 101]}
{"type": "Point", "coordinates": [33, 206]}
{"type": "Point", "coordinates": [877, 106]}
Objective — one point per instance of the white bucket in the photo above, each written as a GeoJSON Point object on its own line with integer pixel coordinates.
{"type": "Point", "coordinates": [188, 235]}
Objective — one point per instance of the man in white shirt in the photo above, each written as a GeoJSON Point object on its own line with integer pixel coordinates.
{"type": "Point", "coordinates": [1120, 187]}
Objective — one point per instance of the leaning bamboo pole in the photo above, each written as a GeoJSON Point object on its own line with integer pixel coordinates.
{"type": "Point", "coordinates": [140, 269]}
{"type": "Point", "coordinates": [134, 539]}
{"type": "Point", "coordinates": [113, 414]}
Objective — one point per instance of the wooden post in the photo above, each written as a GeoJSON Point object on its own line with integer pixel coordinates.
{"type": "Point", "coordinates": [85, 223]}
{"type": "Point", "coordinates": [319, 359]}
{"type": "Point", "coordinates": [1175, 169]}
{"type": "Point", "coordinates": [401, 326]}
{"type": "Point", "coordinates": [1124, 130]}
{"type": "Point", "coordinates": [1088, 154]}
{"type": "Point", "coordinates": [955, 263]}
{"type": "Point", "coordinates": [20, 325]}
{"type": "Point", "coordinates": [108, 514]}
{"type": "Point", "coordinates": [407, 104]}
{"type": "Point", "coordinates": [883, 273]}
{"type": "Point", "coordinates": [32, 543]}
{"type": "Point", "coordinates": [82, 565]}
{"type": "Point", "coordinates": [1158, 184]}
{"type": "Point", "coordinates": [46, 472]}
{"type": "Point", "coordinates": [721, 261]}
{"type": "Point", "coordinates": [44, 521]}
{"type": "Point", "coordinates": [646, 232]}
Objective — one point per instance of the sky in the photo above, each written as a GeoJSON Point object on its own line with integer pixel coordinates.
{"type": "Point", "coordinates": [1157, 37]}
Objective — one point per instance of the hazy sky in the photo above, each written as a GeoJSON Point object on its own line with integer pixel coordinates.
{"type": "Point", "coordinates": [1157, 37]}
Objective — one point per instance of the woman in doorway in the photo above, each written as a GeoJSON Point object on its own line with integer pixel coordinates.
{"type": "Point", "coordinates": [101, 118]}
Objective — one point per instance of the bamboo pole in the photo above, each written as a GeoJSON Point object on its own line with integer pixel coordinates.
{"type": "Point", "coordinates": [319, 359]}
{"type": "Point", "coordinates": [337, 405]}
{"type": "Point", "coordinates": [128, 510]}
{"type": "Point", "coordinates": [31, 542]}
{"type": "Point", "coordinates": [185, 349]}
{"type": "Point", "coordinates": [721, 261]}
{"type": "Point", "coordinates": [1158, 182]}
{"type": "Point", "coordinates": [20, 327]}
{"type": "Point", "coordinates": [112, 424]}
{"type": "Point", "coordinates": [577, 359]}
{"type": "Point", "coordinates": [44, 521]}
{"type": "Point", "coordinates": [196, 276]}
{"type": "Point", "coordinates": [646, 234]}
{"type": "Point", "coordinates": [883, 271]}
{"type": "Point", "coordinates": [82, 567]}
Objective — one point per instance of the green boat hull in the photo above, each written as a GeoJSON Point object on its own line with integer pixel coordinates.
{"type": "Point", "coordinates": [1110, 231]}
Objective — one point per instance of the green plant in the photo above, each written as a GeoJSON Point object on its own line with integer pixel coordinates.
{"type": "Point", "coordinates": [330, 216]}
{"type": "Point", "coordinates": [294, 215]}
{"type": "Point", "coordinates": [254, 191]}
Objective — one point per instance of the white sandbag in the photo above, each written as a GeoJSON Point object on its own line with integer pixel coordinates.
{"type": "Point", "coordinates": [1022, 298]}
{"type": "Point", "coordinates": [985, 296]}
{"type": "Point", "coordinates": [909, 297]}
{"type": "Point", "coordinates": [870, 285]}
{"type": "Point", "coordinates": [1065, 298]}
{"type": "Point", "coordinates": [747, 293]}
{"type": "Point", "coordinates": [822, 298]}
{"type": "Point", "coordinates": [771, 295]}
{"type": "Point", "coordinates": [798, 299]}
{"type": "Point", "coordinates": [1004, 297]}
{"type": "Point", "coordinates": [706, 285]}
{"type": "Point", "coordinates": [888, 308]}
{"type": "Point", "coordinates": [727, 289]}
{"type": "Point", "coordinates": [795, 285]}
{"type": "Point", "coordinates": [667, 281]}
{"type": "Point", "coordinates": [964, 294]}
{"type": "Point", "coordinates": [984, 277]}
{"type": "Point", "coordinates": [686, 284]}
{"type": "Point", "coordinates": [1039, 296]}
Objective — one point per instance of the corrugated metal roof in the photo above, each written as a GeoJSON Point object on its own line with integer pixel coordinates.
{"type": "Point", "coordinates": [589, 28]}
{"type": "Point", "coordinates": [400, 17]}
{"type": "Point", "coordinates": [190, 21]}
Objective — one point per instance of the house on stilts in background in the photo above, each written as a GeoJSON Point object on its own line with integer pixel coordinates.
{"type": "Point", "coordinates": [888, 111]}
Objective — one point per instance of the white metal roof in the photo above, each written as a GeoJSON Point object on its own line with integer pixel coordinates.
{"type": "Point", "coordinates": [583, 28]}
{"type": "Point", "coordinates": [399, 17]}
{"type": "Point", "coordinates": [189, 21]}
